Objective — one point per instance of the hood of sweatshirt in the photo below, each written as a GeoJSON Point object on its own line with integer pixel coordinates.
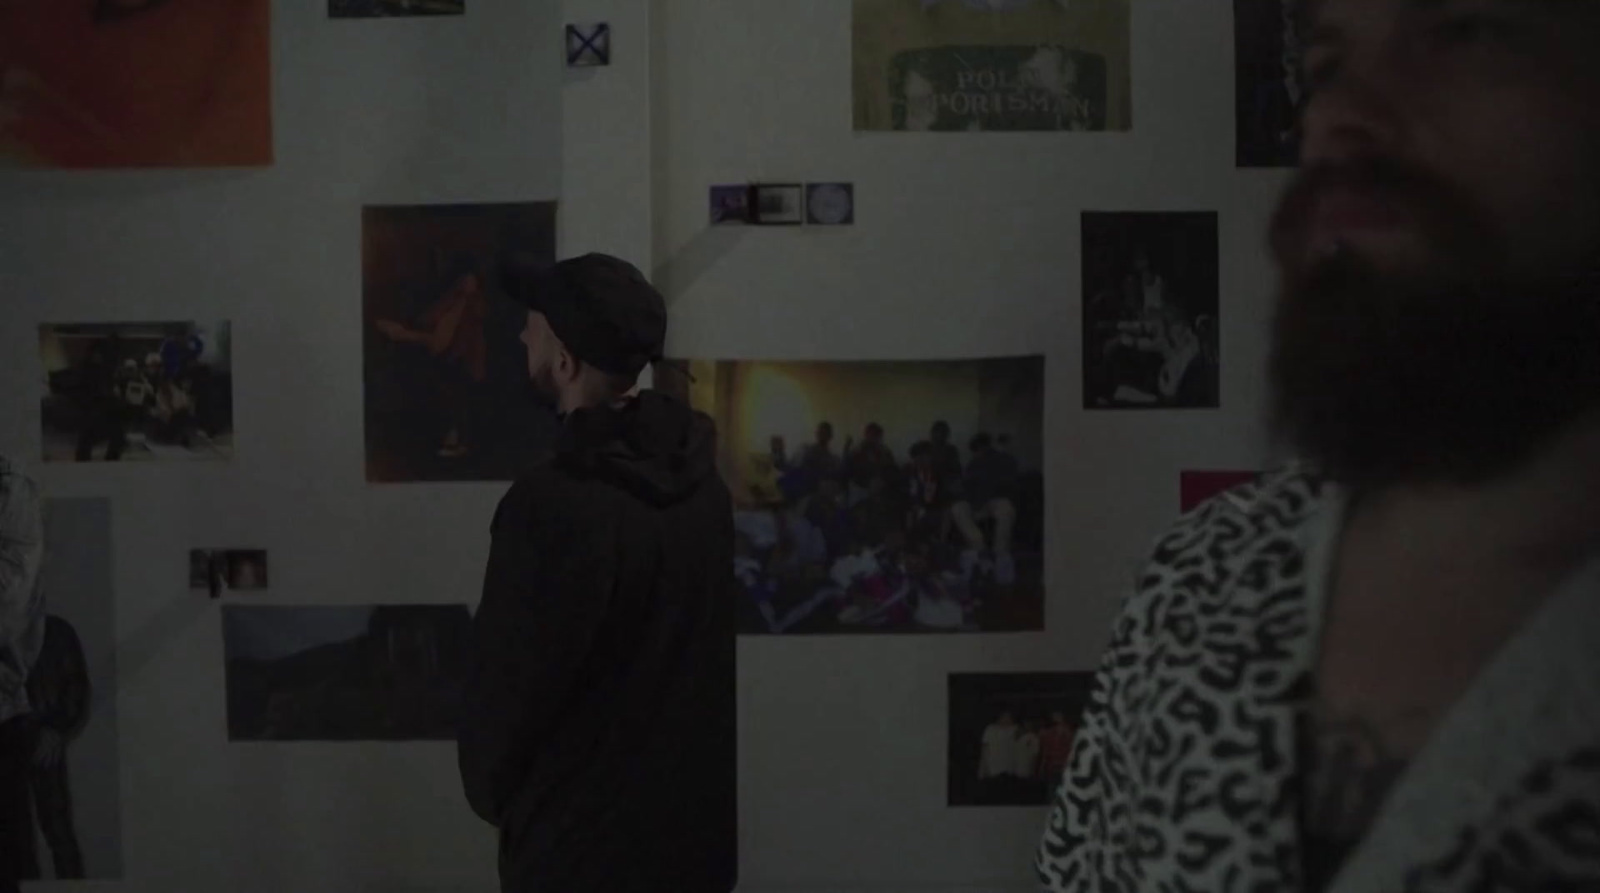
{"type": "Point", "coordinates": [653, 445]}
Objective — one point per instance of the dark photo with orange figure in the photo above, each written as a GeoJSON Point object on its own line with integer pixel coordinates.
{"type": "Point", "coordinates": [135, 83]}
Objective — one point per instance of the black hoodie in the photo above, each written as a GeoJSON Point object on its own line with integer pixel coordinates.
{"type": "Point", "coordinates": [598, 727]}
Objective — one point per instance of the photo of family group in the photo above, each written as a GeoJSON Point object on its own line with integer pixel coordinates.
{"type": "Point", "coordinates": [344, 673]}
{"type": "Point", "coordinates": [217, 572]}
{"type": "Point", "coordinates": [1011, 735]}
{"type": "Point", "coordinates": [446, 375]}
{"type": "Point", "coordinates": [883, 496]}
{"type": "Point", "coordinates": [136, 391]}
{"type": "Point", "coordinates": [1150, 327]}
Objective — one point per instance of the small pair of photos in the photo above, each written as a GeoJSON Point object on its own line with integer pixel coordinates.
{"type": "Point", "coordinates": [783, 204]}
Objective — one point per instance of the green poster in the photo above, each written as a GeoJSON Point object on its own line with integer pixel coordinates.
{"type": "Point", "coordinates": [1017, 65]}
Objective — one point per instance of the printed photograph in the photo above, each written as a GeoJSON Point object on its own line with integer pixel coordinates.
{"type": "Point", "coordinates": [1150, 330]}
{"type": "Point", "coordinates": [70, 827]}
{"type": "Point", "coordinates": [882, 497]}
{"type": "Point", "coordinates": [337, 673]}
{"type": "Point", "coordinates": [730, 205]}
{"type": "Point", "coordinates": [372, 9]}
{"type": "Point", "coordinates": [831, 204]}
{"type": "Point", "coordinates": [159, 391]}
{"type": "Point", "coordinates": [1011, 735]}
{"type": "Point", "coordinates": [135, 83]}
{"type": "Point", "coordinates": [446, 374]}
{"type": "Point", "coordinates": [1197, 487]}
{"type": "Point", "coordinates": [218, 572]}
{"type": "Point", "coordinates": [1268, 84]}
{"type": "Point", "coordinates": [778, 204]}
{"type": "Point", "coordinates": [1013, 65]}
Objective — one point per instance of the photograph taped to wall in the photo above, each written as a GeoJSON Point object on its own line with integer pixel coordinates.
{"type": "Point", "coordinates": [446, 374]}
{"type": "Point", "coordinates": [972, 65]}
{"type": "Point", "coordinates": [160, 391]}
{"type": "Point", "coordinates": [70, 828]}
{"type": "Point", "coordinates": [374, 9]}
{"type": "Point", "coordinates": [218, 572]}
{"type": "Point", "coordinates": [108, 84]}
{"type": "Point", "coordinates": [1150, 327]}
{"type": "Point", "coordinates": [730, 205]}
{"type": "Point", "coordinates": [830, 204]}
{"type": "Point", "coordinates": [1198, 487]}
{"type": "Point", "coordinates": [777, 204]}
{"type": "Point", "coordinates": [344, 673]}
{"type": "Point", "coordinates": [1011, 735]}
{"type": "Point", "coordinates": [1268, 82]}
{"type": "Point", "coordinates": [882, 496]}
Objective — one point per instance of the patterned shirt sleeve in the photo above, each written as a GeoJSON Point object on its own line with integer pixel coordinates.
{"type": "Point", "coordinates": [21, 597]}
{"type": "Point", "coordinates": [1091, 802]}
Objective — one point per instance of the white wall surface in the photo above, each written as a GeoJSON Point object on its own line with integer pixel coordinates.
{"type": "Point", "coordinates": [966, 244]}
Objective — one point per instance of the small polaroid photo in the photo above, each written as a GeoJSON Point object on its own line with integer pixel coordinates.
{"type": "Point", "coordinates": [778, 204]}
{"type": "Point", "coordinates": [218, 572]}
{"type": "Point", "coordinates": [588, 46]}
{"type": "Point", "coordinates": [730, 205]}
{"type": "Point", "coordinates": [831, 204]}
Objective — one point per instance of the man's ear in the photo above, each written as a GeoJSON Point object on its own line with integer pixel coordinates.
{"type": "Point", "coordinates": [567, 366]}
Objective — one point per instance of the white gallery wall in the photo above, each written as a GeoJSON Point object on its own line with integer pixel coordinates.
{"type": "Point", "coordinates": [964, 245]}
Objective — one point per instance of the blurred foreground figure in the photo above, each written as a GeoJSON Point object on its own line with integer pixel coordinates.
{"type": "Point", "coordinates": [22, 624]}
{"type": "Point", "coordinates": [1379, 670]}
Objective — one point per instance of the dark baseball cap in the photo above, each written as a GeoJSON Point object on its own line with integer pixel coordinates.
{"type": "Point", "coordinates": [602, 308]}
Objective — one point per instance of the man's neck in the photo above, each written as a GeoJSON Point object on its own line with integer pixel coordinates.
{"type": "Point", "coordinates": [1544, 516]}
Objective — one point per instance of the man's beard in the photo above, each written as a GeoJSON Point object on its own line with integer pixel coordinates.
{"type": "Point", "coordinates": [1454, 374]}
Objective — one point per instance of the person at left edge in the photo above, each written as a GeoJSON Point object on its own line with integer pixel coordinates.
{"type": "Point", "coordinates": [598, 729]}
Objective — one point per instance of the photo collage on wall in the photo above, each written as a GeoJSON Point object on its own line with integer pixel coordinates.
{"type": "Point", "coordinates": [871, 496]}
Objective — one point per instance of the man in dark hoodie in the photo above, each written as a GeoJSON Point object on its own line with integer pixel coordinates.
{"type": "Point", "coordinates": [598, 727]}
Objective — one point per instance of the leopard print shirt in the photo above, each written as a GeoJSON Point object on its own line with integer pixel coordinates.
{"type": "Point", "coordinates": [1183, 776]}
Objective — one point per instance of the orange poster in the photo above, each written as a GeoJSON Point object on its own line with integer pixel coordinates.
{"type": "Point", "coordinates": [135, 83]}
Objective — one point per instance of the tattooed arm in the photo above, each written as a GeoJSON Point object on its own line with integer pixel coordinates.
{"type": "Point", "coordinates": [1350, 765]}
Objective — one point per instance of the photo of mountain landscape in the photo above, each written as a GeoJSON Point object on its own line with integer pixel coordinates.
{"type": "Point", "coordinates": [344, 673]}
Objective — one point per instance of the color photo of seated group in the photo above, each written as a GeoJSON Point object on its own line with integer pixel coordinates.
{"type": "Point", "coordinates": [136, 392]}
{"type": "Point", "coordinates": [882, 497]}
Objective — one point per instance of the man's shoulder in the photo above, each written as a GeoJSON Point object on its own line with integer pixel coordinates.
{"type": "Point", "coordinates": [541, 494]}
{"type": "Point", "coordinates": [1283, 498]}
{"type": "Point", "coordinates": [1208, 544]}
